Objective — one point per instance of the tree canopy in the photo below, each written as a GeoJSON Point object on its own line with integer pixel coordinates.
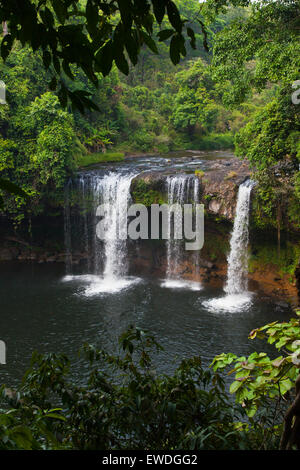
{"type": "Point", "coordinates": [92, 35]}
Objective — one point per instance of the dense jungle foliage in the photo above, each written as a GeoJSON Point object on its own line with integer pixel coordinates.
{"type": "Point", "coordinates": [125, 404]}
{"type": "Point", "coordinates": [160, 107]}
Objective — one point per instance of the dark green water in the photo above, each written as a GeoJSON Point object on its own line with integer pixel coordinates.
{"type": "Point", "coordinates": [41, 312]}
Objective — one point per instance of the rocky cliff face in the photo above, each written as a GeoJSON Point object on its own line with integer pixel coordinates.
{"type": "Point", "coordinates": [218, 186]}
{"type": "Point", "coordinates": [218, 192]}
{"type": "Point", "coordinates": [210, 268]}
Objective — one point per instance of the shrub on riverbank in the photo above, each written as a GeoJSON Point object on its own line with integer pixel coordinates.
{"type": "Point", "coordinates": [125, 404]}
{"type": "Point", "coordinates": [95, 158]}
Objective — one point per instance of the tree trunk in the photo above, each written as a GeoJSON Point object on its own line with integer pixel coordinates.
{"type": "Point", "coordinates": [291, 434]}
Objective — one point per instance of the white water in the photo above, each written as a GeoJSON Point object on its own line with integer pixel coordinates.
{"type": "Point", "coordinates": [107, 264]}
{"type": "Point", "coordinates": [236, 286]}
{"type": "Point", "coordinates": [181, 284]}
{"type": "Point", "coordinates": [237, 274]}
{"type": "Point", "coordinates": [67, 229]}
{"type": "Point", "coordinates": [181, 189]}
{"type": "Point", "coordinates": [114, 190]}
{"type": "Point", "coordinates": [109, 256]}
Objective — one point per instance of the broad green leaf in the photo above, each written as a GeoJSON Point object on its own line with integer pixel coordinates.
{"type": "Point", "coordinates": [175, 50]}
{"type": "Point", "coordinates": [165, 34]}
{"type": "Point", "coordinates": [12, 188]}
{"type": "Point", "coordinates": [159, 10]}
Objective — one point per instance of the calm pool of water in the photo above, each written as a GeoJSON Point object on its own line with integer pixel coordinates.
{"type": "Point", "coordinates": [41, 311]}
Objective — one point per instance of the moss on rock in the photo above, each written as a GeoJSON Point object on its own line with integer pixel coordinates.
{"type": "Point", "coordinates": [142, 192]}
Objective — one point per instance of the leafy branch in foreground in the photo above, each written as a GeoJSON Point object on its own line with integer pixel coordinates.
{"type": "Point", "coordinates": [122, 403]}
{"type": "Point", "coordinates": [11, 188]}
{"type": "Point", "coordinates": [261, 381]}
{"type": "Point", "coordinates": [91, 35]}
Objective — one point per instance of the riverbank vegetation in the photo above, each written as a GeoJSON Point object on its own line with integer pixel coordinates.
{"type": "Point", "coordinates": [95, 158]}
{"type": "Point", "coordinates": [124, 404]}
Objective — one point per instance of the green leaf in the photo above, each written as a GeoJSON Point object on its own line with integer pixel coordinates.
{"type": "Point", "coordinates": [22, 436]}
{"type": "Point", "coordinates": [165, 34]}
{"type": "Point", "coordinates": [104, 58]}
{"type": "Point", "coordinates": [125, 11]}
{"type": "Point", "coordinates": [56, 64]}
{"type": "Point", "coordinates": [47, 17]}
{"type": "Point", "coordinates": [67, 69]}
{"type": "Point", "coordinates": [60, 10]}
{"type": "Point", "coordinates": [122, 63]}
{"type": "Point", "coordinates": [175, 50]}
{"type": "Point", "coordinates": [174, 16]}
{"type": "Point", "coordinates": [12, 188]}
{"type": "Point", "coordinates": [132, 48]}
{"type": "Point", "coordinates": [235, 386]}
{"type": "Point", "coordinates": [150, 43]}
{"type": "Point", "coordinates": [285, 385]}
{"type": "Point", "coordinates": [251, 411]}
{"type": "Point", "coordinates": [6, 46]}
{"type": "Point", "coordinates": [55, 416]}
{"type": "Point", "coordinates": [159, 10]}
{"type": "Point", "coordinates": [92, 13]}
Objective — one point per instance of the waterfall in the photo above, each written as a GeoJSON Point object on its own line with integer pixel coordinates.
{"type": "Point", "coordinates": [67, 229]}
{"type": "Point", "coordinates": [181, 189]}
{"type": "Point", "coordinates": [106, 267]}
{"type": "Point", "coordinates": [237, 271]}
{"type": "Point", "coordinates": [114, 189]}
{"type": "Point", "coordinates": [84, 197]}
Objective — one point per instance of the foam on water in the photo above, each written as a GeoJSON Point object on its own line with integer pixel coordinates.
{"type": "Point", "coordinates": [181, 284]}
{"type": "Point", "coordinates": [109, 286]}
{"type": "Point", "coordinates": [98, 285]}
{"type": "Point", "coordinates": [231, 303]}
{"type": "Point", "coordinates": [79, 278]}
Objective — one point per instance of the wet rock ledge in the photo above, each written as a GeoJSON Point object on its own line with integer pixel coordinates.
{"type": "Point", "coordinates": [218, 186]}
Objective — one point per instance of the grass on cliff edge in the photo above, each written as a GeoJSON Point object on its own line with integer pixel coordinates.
{"type": "Point", "coordinates": [94, 158]}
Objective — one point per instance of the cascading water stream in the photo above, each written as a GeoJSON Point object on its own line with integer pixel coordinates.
{"type": "Point", "coordinates": [106, 258]}
{"type": "Point", "coordinates": [181, 189]}
{"type": "Point", "coordinates": [67, 229]}
{"type": "Point", "coordinates": [237, 270]}
{"type": "Point", "coordinates": [114, 190]}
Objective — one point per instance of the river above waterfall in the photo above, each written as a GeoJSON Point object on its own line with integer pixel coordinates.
{"type": "Point", "coordinates": [186, 161]}
{"type": "Point", "coordinates": [40, 311]}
